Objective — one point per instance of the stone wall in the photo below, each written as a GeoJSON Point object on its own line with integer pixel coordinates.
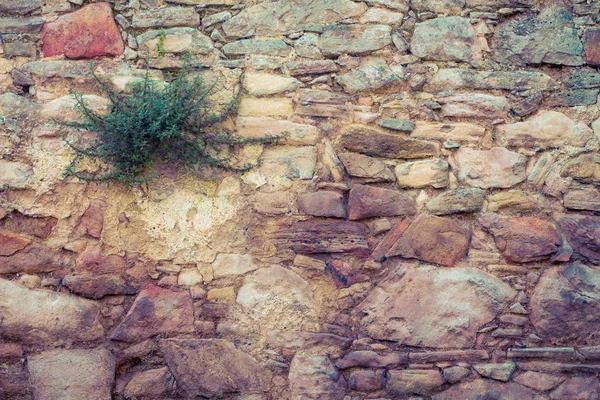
{"type": "Point", "coordinates": [429, 229]}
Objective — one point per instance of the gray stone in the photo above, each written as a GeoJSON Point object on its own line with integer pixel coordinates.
{"type": "Point", "coordinates": [165, 17]}
{"type": "Point", "coordinates": [444, 39]}
{"type": "Point", "coordinates": [20, 7]}
{"type": "Point", "coordinates": [368, 140]}
{"type": "Point", "coordinates": [368, 78]}
{"type": "Point", "coordinates": [19, 49]}
{"type": "Point", "coordinates": [287, 16]}
{"type": "Point", "coordinates": [45, 317]}
{"type": "Point", "coordinates": [216, 18]}
{"type": "Point", "coordinates": [322, 103]}
{"type": "Point", "coordinates": [21, 25]}
{"type": "Point", "coordinates": [465, 299]}
{"type": "Point", "coordinates": [283, 164]}
{"type": "Point", "coordinates": [381, 16]}
{"type": "Point", "coordinates": [366, 169]}
{"type": "Point", "coordinates": [525, 40]}
{"type": "Point", "coordinates": [573, 97]}
{"type": "Point", "coordinates": [487, 389]}
{"type": "Point", "coordinates": [71, 374]}
{"type": "Point", "coordinates": [455, 374]}
{"type": "Point", "coordinates": [459, 78]}
{"type": "Point", "coordinates": [174, 40]}
{"type": "Point", "coordinates": [269, 47]}
{"type": "Point", "coordinates": [455, 132]}
{"type": "Point", "coordinates": [315, 378]}
{"type": "Point", "coordinates": [414, 381]}
{"type": "Point", "coordinates": [456, 201]}
{"type": "Point", "coordinates": [308, 46]}
{"type": "Point", "coordinates": [213, 367]}
{"type": "Point", "coordinates": [584, 78]}
{"type": "Point", "coordinates": [354, 39]}
{"type": "Point", "coordinates": [484, 169]}
{"type": "Point", "coordinates": [314, 67]}
{"type": "Point", "coordinates": [401, 125]}
{"type": "Point", "coordinates": [500, 372]}
{"type": "Point", "coordinates": [566, 304]}
{"type": "Point", "coordinates": [58, 69]}
{"type": "Point", "coordinates": [448, 7]}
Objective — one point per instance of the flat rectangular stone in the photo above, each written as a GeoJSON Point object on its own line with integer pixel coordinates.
{"type": "Point", "coordinates": [590, 369]}
{"type": "Point", "coordinates": [166, 17]}
{"type": "Point", "coordinates": [590, 352]}
{"type": "Point", "coordinates": [549, 353]}
{"type": "Point", "coordinates": [315, 67]}
{"type": "Point", "coordinates": [507, 269]}
{"type": "Point", "coordinates": [583, 199]}
{"type": "Point", "coordinates": [257, 127]}
{"type": "Point", "coordinates": [322, 236]}
{"type": "Point", "coordinates": [451, 355]}
{"type": "Point", "coordinates": [458, 78]}
{"type": "Point", "coordinates": [21, 25]}
{"type": "Point", "coordinates": [321, 103]}
{"type": "Point", "coordinates": [19, 7]}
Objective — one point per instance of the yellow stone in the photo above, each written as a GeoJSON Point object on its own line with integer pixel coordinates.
{"type": "Point", "coordinates": [221, 295]}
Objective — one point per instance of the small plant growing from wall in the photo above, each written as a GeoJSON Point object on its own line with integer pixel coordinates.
{"type": "Point", "coordinates": [174, 122]}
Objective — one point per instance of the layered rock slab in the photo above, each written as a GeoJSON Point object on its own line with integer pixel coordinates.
{"type": "Point", "coordinates": [213, 367]}
{"type": "Point", "coordinates": [404, 309]}
{"type": "Point", "coordinates": [486, 388]}
{"type": "Point", "coordinates": [583, 234]}
{"type": "Point", "coordinates": [41, 316]}
{"type": "Point", "coordinates": [315, 378]}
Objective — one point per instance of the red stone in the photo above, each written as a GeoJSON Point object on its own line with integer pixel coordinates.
{"type": "Point", "coordinates": [87, 33]}
{"type": "Point", "coordinates": [10, 243]}
{"type": "Point", "coordinates": [369, 201]}
{"type": "Point", "coordinates": [343, 275]}
{"type": "Point", "coordinates": [93, 218]}
{"type": "Point", "coordinates": [92, 260]}
{"type": "Point", "coordinates": [591, 45]}
{"type": "Point", "coordinates": [433, 239]}
{"type": "Point", "coordinates": [156, 311]}
{"type": "Point", "coordinates": [36, 226]}
{"type": "Point", "coordinates": [583, 234]}
{"type": "Point", "coordinates": [523, 239]}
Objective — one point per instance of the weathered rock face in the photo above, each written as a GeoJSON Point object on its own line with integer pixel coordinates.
{"type": "Point", "coordinates": [354, 39]}
{"type": "Point", "coordinates": [523, 239]}
{"type": "Point", "coordinates": [565, 303]}
{"type": "Point", "coordinates": [584, 168]}
{"type": "Point", "coordinates": [432, 239]}
{"type": "Point", "coordinates": [279, 298]}
{"type": "Point", "coordinates": [582, 233]}
{"type": "Point", "coordinates": [486, 169]}
{"type": "Point", "coordinates": [547, 130]}
{"type": "Point", "coordinates": [444, 39]}
{"type": "Point", "coordinates": [424, 382]}
{"type": "Point", "coordinates": [64, 374]}
{"type": "Point", "coordinates": [366, 202]}
{"type": "Point", "coordinates": [368, 169]}
{"type": "Point", "coordinates": [156, 311]}
{"type": "Point", "coordinates": [285, 16]}
{"type": "Point", "coordinates": [465, 300]}
{"type": "Point", "coordinates": [44, 317]}
{"type": "Point", "coordinates": [213, 367]}
{"type": "Point", "coordinates": [482, 388]}
{"type": "Point", "coordinates": [86, 33]}
{"type": "Point", "coordinates": [456, 201]}
{"type": "Point", "coordinates": [458, 78]}
{"type": "Point", "coordinates": [151, 383]}
{"type": "Point", "coordinates": [524, 40]}
{"type": "Point", "coordinates": [315, 377]}
{"type": "Point", "coordinates": [420, 174]}
{"type": "Point", "coordinates": [323, 204]}
{"type": "Point", "coordinates": [369, 78]}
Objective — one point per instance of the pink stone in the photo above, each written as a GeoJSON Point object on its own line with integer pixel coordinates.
{"type": "Point", "coordinates": [87, 33]}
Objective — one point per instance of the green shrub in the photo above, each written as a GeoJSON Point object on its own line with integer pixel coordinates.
{"type": "Point", "coordinates": [151, 122]}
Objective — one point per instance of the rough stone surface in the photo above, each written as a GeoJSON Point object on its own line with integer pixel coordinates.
{"type": "Point", "coordinates": [14, 174]}
{"type": "Point", "coordinates": [10, 243]}
{"type": "Point", "coordinates": [269, 47]}
{"type": "Point", "coordinates": [414, 381]}
{"type": "Point", "coordinates": [315, 377]}
{"type": "Point", "coordinates": [459, 78]}
{"type": "Point", "coordinates": [466, 299]}
{"type": "Point", "coordinates": [523, 239]}
{"type": "Point", "coordinates": [67, 374]}
{"type": "Point", "coordinates": [153, 383]}
{"type": "Point", "coordinates": [495, 168]}
{"type": "Point", "coordinates": [524, 40]}
{"type": "Point", "coordinates": [584, 168]}
{"type": "Point", "coordinates": [367, 201]}
{"type": "Point", "coordinates": [364, 139]}
{"type": "Point", "coordinates": [500, 372]}
{"type": "Point", "coordinates": [87, 33]}
{"type": "Point", "coordinates": [165, 18]}
{"type": "Point", "coordinates": [232, 264]}
{"type": "Point", "coordinates": [93, 218]}
{"type": "Point", "coordinates": [539, 381]}
{"type": "Point", "coordinates": [323, 204]}
{"type": "Point", "coordinates": [444, 39]}
{"type": "Point", "coordinates": [213, 367]}
{"type": "Point", "coordinates": [577, 388]}
{"type": "Point", "coordinates": [456, 201]}
{"type": "Point", "coordinates": [156, 311]}
{"type": "Point", "coordinates": [432, 239]}
{"type": "Point", "coordinates": [474, 105]}
{"type": "Point", "coordinates": [565, 303]}
{"type": "Point", "coordinates": [547, 130]}
{"type": "Point", "coordinates": [420, 174]}
{"type": "Point", "coordinates": [285, 16]}
{"type": "Point", "coordinates": [97, 286]}
{"type": "Point", "coordinates": [368, 78]}
{"type": "Point", "coordinates": [583, 234]}
{"type": "Point", "coordinates": [354, 39]}
{"type": "Point", "coordinates": [264, 84]}
{"type": "Point", "coordinates": [591, 40]}
{"type": "Point", "coordinates": [457, 132]}
{"type": "Point", "coordinates": [42, 316]}
{"type": "Point", "coordinates": [366, 169]}
{"type": "Point", "coordinates": [485, 388]}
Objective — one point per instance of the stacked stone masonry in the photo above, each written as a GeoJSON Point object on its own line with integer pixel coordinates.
{"type": "Point", "coordinates": [429, 230]}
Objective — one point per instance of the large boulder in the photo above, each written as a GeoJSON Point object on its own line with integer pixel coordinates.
{"type": "Point", "coordinates": [212, 367]}
{"type": "Point", "coordinates": [566, 303]}
{"type": "Point", "coordinates": [87, 33]}
{"type": "Point", "coordinates": [46, 317]}
{"type": "Point", "coordinates": [72, 374]}
{"type": "Point", "coordinates": [403, 308]}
